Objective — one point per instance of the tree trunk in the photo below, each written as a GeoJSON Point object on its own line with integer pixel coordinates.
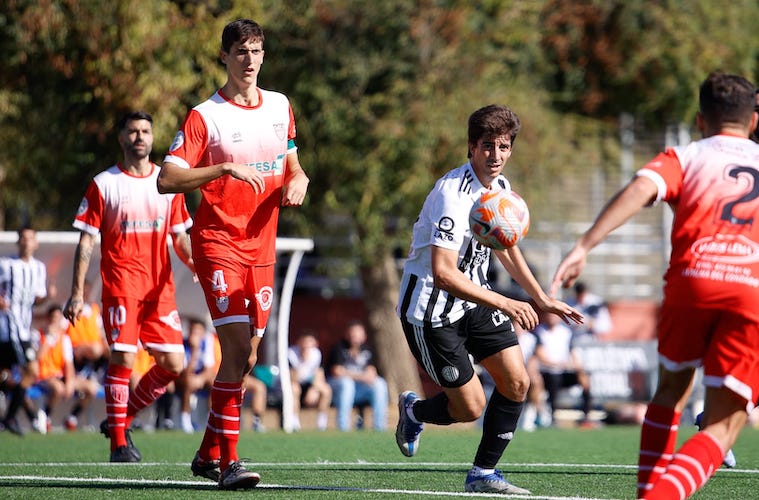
{"type": "Point", "coordinates": [394, 359]}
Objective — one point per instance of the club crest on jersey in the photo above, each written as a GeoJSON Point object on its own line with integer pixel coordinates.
{"type": "Point", "coordinates": [222, 303]}
{"type": "Point", "coordinates": [115, 334]}
{"type": "Point", "coordinates": [83, 206]}
{"type": "Point", "coordinates": [265, 296]}
{"type": "Point", "coordinates": [279, 129]}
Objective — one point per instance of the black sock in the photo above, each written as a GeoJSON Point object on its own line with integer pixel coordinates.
{"type": "Point", "coordinates": [433, 410]}
{"type": "Point", "coordinates": [501, 417]}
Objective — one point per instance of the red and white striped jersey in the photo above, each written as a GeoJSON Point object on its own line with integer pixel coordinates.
{"type": "Point", "coordinates": [713, 188]}
{"type": "Point", "coordinates": [134, 221]}
{"type": "Point", "coordinates": [232, 220]}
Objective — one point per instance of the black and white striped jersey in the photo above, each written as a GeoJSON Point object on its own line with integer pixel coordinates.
{"type": "Point", "coordinates": [21, 282]}
{"type": "Point", "coordinates": [444, 222]}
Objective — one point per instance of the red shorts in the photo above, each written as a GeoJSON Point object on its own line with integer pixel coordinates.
{"type": "Point", "coordinates": [237, 293]}
{"type": "Point", "coordinates": [726, 344]}
{"type": "Point", "coordinates": [155, 323]}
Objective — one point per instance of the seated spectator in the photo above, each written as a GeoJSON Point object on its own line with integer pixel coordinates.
{"type": "Point", "coordinates": [597, 322]}
{"type": "Point", "coordinates": [309, 384]}
{"type": "Point", "coordinates": [57, 377]}
{"type": "Point", "coordinates": [200, 370]}
{"type": "Point", "coordinates": [559, 365]}
{"type": "Point", "coordinates": [91, 350]}
{"type": "Point", "coordinates": [354, 379]}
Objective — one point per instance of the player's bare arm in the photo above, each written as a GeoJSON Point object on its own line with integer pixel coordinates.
{"type": "Point", "coordinates": [639, 193]}
{"type": "Point", "coordinates": [175, 179]}
{"type": "Point", "coordinates": [183, 249]}
{"type": "Point", "coordinates": [82, 258]}
{"type": "Point", "coordinates": [448, 277]}
{"type": "Point", "coordinates": [296, 183]}
{"type": "Point", "coordinates": [516, 265]}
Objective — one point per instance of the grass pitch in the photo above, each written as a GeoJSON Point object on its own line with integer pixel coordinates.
{"type": "Point", "coordinates": [556, 464]}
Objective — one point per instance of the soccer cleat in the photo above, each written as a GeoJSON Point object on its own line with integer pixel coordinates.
{"type": "Point", "coordinates": [407, 433]}
{"type": "Point", "coordinates": [105, 431]}
{"type": "Point", "coordinates": [11, 425]}
{"type": "Point", "coordinates": [71, 423]}
{"type": "Point", "coordinates": [491, 483]}
{"type": "Point", "coordinates": [207, 469]}
{"type": "Point", "coordinates": [237, 477]}
{"type": "Point", "coordinates": [729, 460]}
{"type": "Point", "coordinates": [124, 454]}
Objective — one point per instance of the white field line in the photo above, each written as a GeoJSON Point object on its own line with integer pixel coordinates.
{"type": "Point", "coordinates": [40, 480]}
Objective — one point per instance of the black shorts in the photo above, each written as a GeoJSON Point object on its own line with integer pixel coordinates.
{"type": "Point", "coordinates": [444, 351]}
{"type": "Point", "coordinates": [18, 353]}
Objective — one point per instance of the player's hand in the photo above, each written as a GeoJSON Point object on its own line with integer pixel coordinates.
{"type": "Point", "coordinates": [247, 174]}
{"type": "Point", "coordinates": [73, 309]}
{"type": "Point", "coordinates": [566, 312]}
{"type": "Point", "coordinates": [521, 313]}
{"type": "Point", "coordinates": [569, 270]}
{"type": "Point", "coordinates": [295, 190]}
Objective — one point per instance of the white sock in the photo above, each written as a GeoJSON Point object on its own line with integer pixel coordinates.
{"type": "Point", "coordinates": [479, 471]}
{"type": "Point", "coordinates": [321, 421]}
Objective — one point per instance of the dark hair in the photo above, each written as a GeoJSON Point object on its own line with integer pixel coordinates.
{"type": "Point", "coordinates": [755, 133]}
{"type": "Point", "coordinates": [25, 227]}
{"type": "Point", "coordinates": [492, 121]}
{"type": "Point", "coordinates": [726, 98]}
{"type": "Point", "coordinates": [240, 31]}
{"type": "Point", "coordinates": [132, 116]}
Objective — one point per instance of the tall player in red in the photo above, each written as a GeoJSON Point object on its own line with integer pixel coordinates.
{"type": "Point", "coordinates": [709, 315]}
{"type": "Point", "coordinates": [238, 148]}
{"type": "Point", "coordinates": [134, 222]}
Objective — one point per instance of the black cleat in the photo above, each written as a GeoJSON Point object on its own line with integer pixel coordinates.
{"type": "Point", "coordinates": [237, 477]}
{"type": "Point", "coordinates": [209, 470]}
{"type": "Point", "coordinates": [124, 454]}
{"type": "Point", "coordinates": [11, 425]}
{"type": "Point", "coordinates": [106, 431]}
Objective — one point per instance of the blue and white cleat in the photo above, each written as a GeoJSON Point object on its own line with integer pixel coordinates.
{"type": "Point", "coordinates": [491, 483]}
{"type": "Point", "coordinates": [407, 433]}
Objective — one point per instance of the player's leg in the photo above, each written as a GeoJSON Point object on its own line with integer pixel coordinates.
{"type": "Point", "coordinates": [161, 334]}
{"type": "Point", "coordinates": [731, 375]}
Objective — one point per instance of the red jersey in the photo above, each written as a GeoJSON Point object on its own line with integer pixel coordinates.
{"type": "Point", "coordinates": [233, 220]}
{"type": "Point", "coordinates": [134, 221]}
{"type": "Point", "coordinates": [713, 188]}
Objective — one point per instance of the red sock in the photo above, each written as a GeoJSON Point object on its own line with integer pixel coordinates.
{"type": "Point", "coordinates": [150, 387]}
{"type": "Point", "coordinates": [689, 470]}
{"type": "Point", "coordinates": [116, 401]}
{"type": "Point", "coordinates": [226, 401]}
{"type": "Point", "coordinates": [657, 444]}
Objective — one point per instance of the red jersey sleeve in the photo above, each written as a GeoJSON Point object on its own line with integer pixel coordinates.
{"type": "Point", "coordinates": [667, 172]}
{"type": "Point", "coordinates": [189, 147]}
{"type": "Point", "coordinates": [89, 216]}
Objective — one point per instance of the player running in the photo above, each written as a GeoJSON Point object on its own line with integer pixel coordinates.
{"type": "Point", "coordinates": [122, 203]}
{"type": "Point", "coordinates": [709, 316]}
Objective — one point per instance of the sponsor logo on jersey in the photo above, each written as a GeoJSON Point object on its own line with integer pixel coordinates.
{"type": "Point", "coordinates": [450, 373]}
{"type": "Point", "coordinates": [269, 168]}
{"type": "Point", "coordinates": [143, 226]}
{"type": "Point", "coordinates": [727, 248]}
{"type": "Point", "coordinates": [265, 296]}
{"type": "Point", "coordinates": [444, 227]}
{"type": "Point", "coordinates": [177, 142]}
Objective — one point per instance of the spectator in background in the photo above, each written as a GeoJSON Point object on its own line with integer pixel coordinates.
{"type": "Point", "coordinates": [534, 412]}
{"type": "Point", "coordinates": [23, 284]}
{"type": "Point", "coordinates": [354, 380]}
{"type": "Point", "coordinates": [559, 365]}
{"type": "Point", "coordinates": [200, 368]}
{"type": "Point", "coordinates": [595, 310]}
{"type": "Point", "coordinates": [258, 393]}
{"type": "Point", "coordinates": [88, 338]}
{"type": "Point", "coordinates": [309, 384]}
{"type": "Point", "coordinates": [57, 376]}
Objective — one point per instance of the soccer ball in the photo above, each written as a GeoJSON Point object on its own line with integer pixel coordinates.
{"type": "Point", "coordinates": [499, 219]}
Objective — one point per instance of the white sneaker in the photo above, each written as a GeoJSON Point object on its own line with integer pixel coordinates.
{"type": "Point", "coordinates": [186, 421]}
{"type": "Point", "coordinates": [39, 423]}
